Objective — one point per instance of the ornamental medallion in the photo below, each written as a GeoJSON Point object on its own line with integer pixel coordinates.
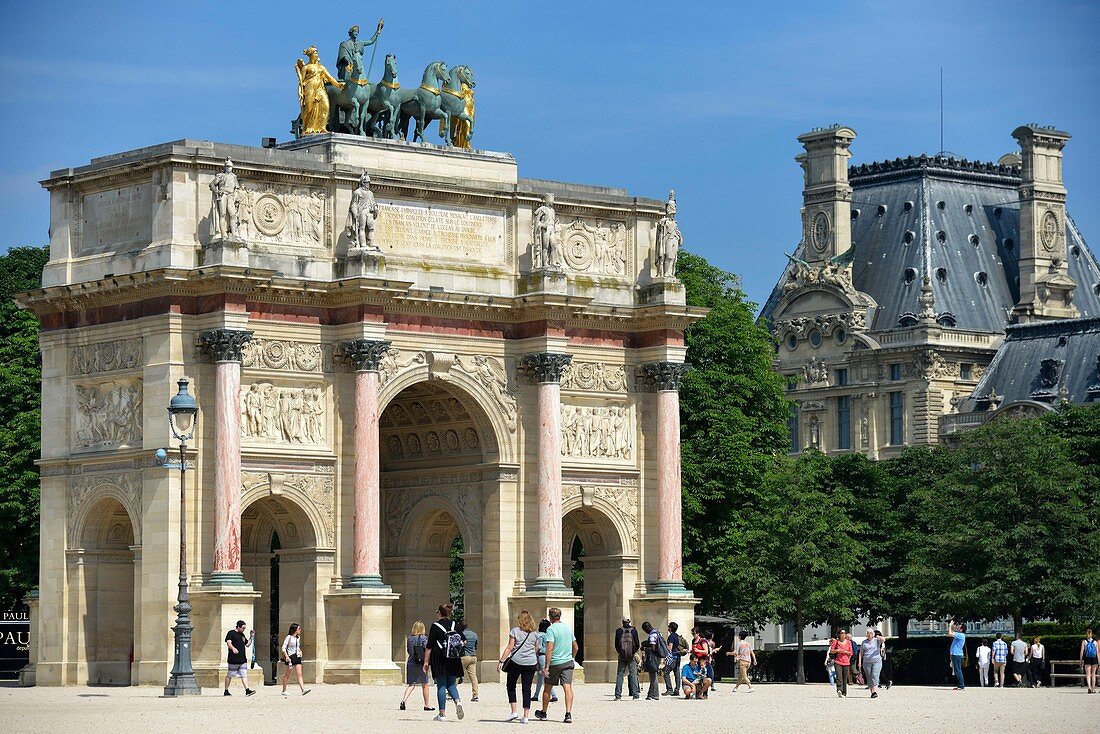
{"type": "Point", "coordinates": [819, 231]}
{"type": "Point", "coordinates": [1048, 230]}
{"type": "Point", "coordinates": [268, 214]}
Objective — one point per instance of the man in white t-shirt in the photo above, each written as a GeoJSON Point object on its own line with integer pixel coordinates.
{"type": "Point", "coordinates": [1018, 648]}
{"type": "Point", "coordinates": [985, 653]}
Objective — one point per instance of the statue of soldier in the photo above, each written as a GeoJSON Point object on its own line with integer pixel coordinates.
{"type": "Point", "coordinates": [669, 239]}
{"type": "Point", "coordinates": [352, 49]}
{"type": "Point", "coordinates": [545, 252]}
{"type": "Point", "coordinates": [361, 215]}
{"type": "Point", "coordinates": [226, 197]}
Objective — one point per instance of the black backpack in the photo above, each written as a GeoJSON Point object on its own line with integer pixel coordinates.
{"type": "Point", "coordinates": [453, 643]}
{"type": "Point", "coordinates": [418, 650]}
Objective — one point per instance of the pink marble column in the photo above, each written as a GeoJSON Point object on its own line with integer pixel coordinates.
{"type": "Point", "coordinates": [366, 355]}
{"type": "Point", "coordinates": [670, 572]}
{"type": "Point", "coordinates": [225, 345]}
{"type": "Point", "coordinates": [547, 368]}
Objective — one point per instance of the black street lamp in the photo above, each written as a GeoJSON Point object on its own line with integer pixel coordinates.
{"type": "Point", "coordinates": [182, 410]}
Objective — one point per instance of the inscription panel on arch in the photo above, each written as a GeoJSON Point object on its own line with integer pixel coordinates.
{"type": "Point", "coordinates": [415, 229]}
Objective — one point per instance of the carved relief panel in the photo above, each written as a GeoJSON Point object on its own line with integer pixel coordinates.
{"type": "Point", "coordinates": [123, 354]}
{"type": "Point", "coordinates": [282, 214]}
{"type": "Point", "coordinates": [289, 356]}
{"type": "Point", "coordinates": [596, 248]}
{"type": "Point", "coordinates": [108, 414]}
{"type": "Point", "coordinates": [594, 377]}
{"type": "Point", "coordinates": [597, 433]}
{"type": "Point", "coordinates": [283, 414]}
{"type": "Point", "coordinates": [619, 501]}
{"type": "Point", "coordinates": [88, 489]}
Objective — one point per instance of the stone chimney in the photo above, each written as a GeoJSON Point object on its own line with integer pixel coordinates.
{"type": "Point", "coordinates": [1046, 290]}
{"type": "Point", "coordinates": [826, 197]}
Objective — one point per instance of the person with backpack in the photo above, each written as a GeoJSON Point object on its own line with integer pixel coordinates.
{"type": "Point", "coordinates": [1089, 660]}
{"type": "Point", "coordinates": [654, 653]}
{"type": "Point", "coordinates": [626, 644]}
{"type": "Point", "coordinates": [676, 646]}
{"type": "Point", "coordinates": [518, 661]}
{"type": "Point", "coordinates": [443, 656]}
{"type": "Point", "coordinates": [416, 645]}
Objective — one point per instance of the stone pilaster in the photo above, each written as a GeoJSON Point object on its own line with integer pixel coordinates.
{"type": "Point", "coordinates": [666, 377]}
{"type": "Point", "coordinates": [224, 346]}
{"type": "Point", "coordinates": [366, 355]}
{"type": "Point", "coordinates": [547, 368]}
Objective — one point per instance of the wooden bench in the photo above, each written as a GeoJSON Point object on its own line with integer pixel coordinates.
{"type": "Point", "coordinates": [1072, 664]}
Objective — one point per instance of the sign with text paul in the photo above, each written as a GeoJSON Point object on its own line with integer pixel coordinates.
{"type": "Point", "coordinates": [15, 642]}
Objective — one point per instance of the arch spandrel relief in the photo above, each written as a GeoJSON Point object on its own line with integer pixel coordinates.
{"type": "Point", "coordinates": [86, 490]}
{"type": "Point", "coordinates": [618, 503]}
{"type": "Point", "coordinates": [405, 502]}
{"type": "Point", "coordinates": [314, 494]}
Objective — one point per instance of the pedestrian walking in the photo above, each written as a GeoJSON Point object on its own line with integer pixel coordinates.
{"type": "Point", "coordinates": [958, 652]}
{"type": "Point", "coordinates": [653, 654]}
{"type": "Point", "coordinates": [984, 654]}
{"type": "Point", "coordinates": [469, 657]}
{"type": "Point", "coordinates": [677, 645]}
{"type": "Point", "coordinates": [712, 649]}
{"type": "Point", "coordinates": [841, 650]}
{"type": "Point", "coordinates": [830, 661]}
{"type": "Point", "coordinates": [1000, 659]}
{"type": "Point", "coordinates": [236, 660]}
{"type": "Point", "coordinates": [1019, 650]}
{"type": "Point", "coordinates": [744, 656]}
{"type": "Point", "coordinates": [540, 679]}
{"type": "Point", "coordinates": [870, 660]}
{"type": "Point", "coordinates": [1036, 663]}
{"type": "Point", "coordinates": [561, 647]}
{"type": "Point", "coordinates": [887, 677]}
{"type": "Point", "coordinates": [443, 656]}
{"type": "Point", "coordinates": [1089, 660]}
{"type": "Point", "coordinates": [626, 645]}
{"type": "Point", "coordinates": [416, 646]}
{"type": "Point", "coordinates": [518, 662]}
{"type": "Point", "coordinates": [292, 658]}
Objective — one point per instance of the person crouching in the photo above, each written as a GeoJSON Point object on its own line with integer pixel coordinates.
{"type": "Point", "coordinates": [694, 681]}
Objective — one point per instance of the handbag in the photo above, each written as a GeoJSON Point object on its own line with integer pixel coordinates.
{"type": "Point", "coordinates": [506, 664]}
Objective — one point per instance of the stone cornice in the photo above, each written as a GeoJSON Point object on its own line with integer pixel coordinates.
{"type": "Point", "coordinates": [940, 166]}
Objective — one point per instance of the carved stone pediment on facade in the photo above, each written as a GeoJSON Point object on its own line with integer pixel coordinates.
{"type": "Point", "coordinates": [809, 406]}
{"type": "Point", "coordinates": [827, 324]}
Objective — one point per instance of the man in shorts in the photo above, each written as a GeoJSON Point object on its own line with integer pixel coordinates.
{"type": "Point", "coordinates": [561, 646]}
{"type": "Point", "coordinates": [235, 643]}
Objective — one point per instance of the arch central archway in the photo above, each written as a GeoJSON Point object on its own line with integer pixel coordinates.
{"type": "Point", "coordinates": [438, 457]}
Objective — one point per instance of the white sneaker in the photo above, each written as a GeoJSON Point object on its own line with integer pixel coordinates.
{"type": "Point", "coordinates": [512, 716]}
{"type": "Point", "coordinates": [440, 717]}
{"type": "Point", "coordinates": [286, 695]}
{"type": "Point", "coordinates": [459, 711]}
{"type": "Point", "coordinates": [523, 719]}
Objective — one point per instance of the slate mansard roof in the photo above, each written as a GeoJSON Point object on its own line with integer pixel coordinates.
{"type": "Point", "coordinates": [971, 246]}
{"type": "Point", "coordinates": [1069, 347]}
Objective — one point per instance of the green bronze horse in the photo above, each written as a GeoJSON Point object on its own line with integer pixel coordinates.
{"type": "Point", "coordinates": [349, 103]}
{"type": "Point", "coordinates": [425, 103]}
{"type": "Point", "coordinates": [386, 101]}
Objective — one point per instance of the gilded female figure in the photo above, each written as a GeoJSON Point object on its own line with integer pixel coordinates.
{"type": "Point", "coordinates": [312, 96]}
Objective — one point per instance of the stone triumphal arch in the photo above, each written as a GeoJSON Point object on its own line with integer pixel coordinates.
{"type": "Point", "coordinates": [488, 383]}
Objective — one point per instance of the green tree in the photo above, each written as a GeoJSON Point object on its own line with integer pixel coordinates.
{"type": "Point", "coordinates": [733, 413]}
{"type": "Point", "coordinates": [802, 551]}
{"type": "Point", "coordinates": [20, 425]}
{"type": "Point", "coordinates": [1008, 529]}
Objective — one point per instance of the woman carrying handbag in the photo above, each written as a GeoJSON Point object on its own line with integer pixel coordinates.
{"type": "Point", "coordinates": [519, 662]}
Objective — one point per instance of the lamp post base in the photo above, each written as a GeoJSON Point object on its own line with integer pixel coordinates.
{"type": "Point", "coordinates": [182, 686]}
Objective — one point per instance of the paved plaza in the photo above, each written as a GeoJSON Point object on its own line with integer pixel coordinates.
{"type": "Point", "coordinates": [771, 708]}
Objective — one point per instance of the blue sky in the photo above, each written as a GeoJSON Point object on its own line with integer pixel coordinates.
{"type": "Point", "coordinates": [703, 97]}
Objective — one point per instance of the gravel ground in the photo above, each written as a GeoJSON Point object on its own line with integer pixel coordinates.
{"type": "Point", "coordinates": [770, 708]}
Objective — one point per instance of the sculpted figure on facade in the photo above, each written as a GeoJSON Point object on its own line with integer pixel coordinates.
{"type": "Point", "coordinates": [669, 239]}
{"type": "Point", "coordinates": [110, 414]}
{"type": "Point", "coordinates": [361, 215]}
{"type": "Point", "coordinates": [602, 432]}
{"type": "Point", "coordinates": [224, 214]}
{"type": "Point", "coordinates": [491, 373]}
{"type": "Point", "coordinates": [816, 371]}
{"type": "Point", "coordinates": [545, 251]}
{"type": "Point", "coordinates": [283, 414]}
{"type": "Point", "coordinates": [594, 376]}
{"type": "Point", "coordinates": [107, 356]}
{"type": "Point", "coordinates": [312, 97]}
{"type": "Point", "coordinates": [351, 49]}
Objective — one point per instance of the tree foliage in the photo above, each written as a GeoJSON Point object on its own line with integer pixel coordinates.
{"type": "Point", "coordinates": [20, 425]}
{"type": "Point", "coordinates": [733, 414]}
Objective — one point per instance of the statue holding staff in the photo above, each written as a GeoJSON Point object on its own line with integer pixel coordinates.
{"type": "Point", "coordinates": [351, 49]}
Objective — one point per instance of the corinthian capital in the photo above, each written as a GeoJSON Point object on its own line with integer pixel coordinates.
{"type": "Point", "coordinates": [364, 354]}
{"type": "Point", "coordinates": [225, 345]}
{"type": "Point", "coordinates": [547, 366]}
{"type": "Point", "coordinates": [665, 375]}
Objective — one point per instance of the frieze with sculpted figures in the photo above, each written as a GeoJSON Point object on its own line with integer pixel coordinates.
{"type": "Point", "coordinates": [122, 354]}
{"type": "Point", "coordinates": [109, 414]}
